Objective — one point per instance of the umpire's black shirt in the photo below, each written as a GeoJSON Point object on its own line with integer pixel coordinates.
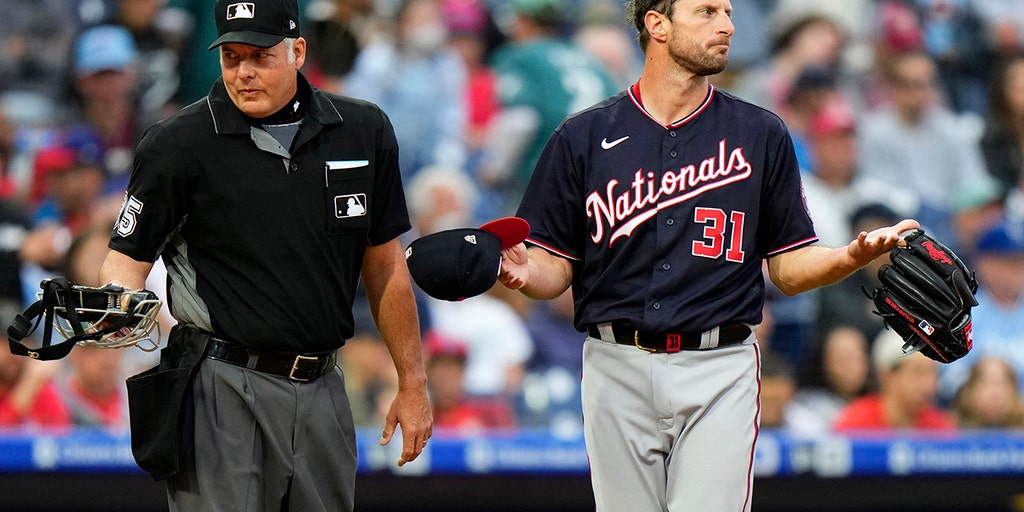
{"type": "Point", "coordinates": [263, 245]}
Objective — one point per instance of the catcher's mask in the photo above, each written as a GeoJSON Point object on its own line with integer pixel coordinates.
{"type": "Point", "coordinates": [107, 317]}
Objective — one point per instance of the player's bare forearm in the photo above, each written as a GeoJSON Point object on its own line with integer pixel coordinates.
{"type": "Point", "coordinates": [811, 267]}
{"type": "Point", "coordinates": [535, 272]}
{"type": "Point", "coordinates": [390, 296]}
{"type": "Point", "coordinates": [121, 268]}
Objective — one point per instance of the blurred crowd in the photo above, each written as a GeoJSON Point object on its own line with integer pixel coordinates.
{"type": "Point", "coordinates": [897, 108]}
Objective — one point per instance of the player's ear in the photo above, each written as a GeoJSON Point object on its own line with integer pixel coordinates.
{"type": "Point", "coordinates": [657, 25]}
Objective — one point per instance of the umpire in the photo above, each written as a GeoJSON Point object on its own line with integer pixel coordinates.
{"type": "Point", "coordinates": [267, 200]}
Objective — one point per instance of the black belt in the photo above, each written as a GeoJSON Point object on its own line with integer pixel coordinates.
{"type": "Point", "coordinates": [297, 367]}
{"type": "Point", "coordinates": [623, 334]}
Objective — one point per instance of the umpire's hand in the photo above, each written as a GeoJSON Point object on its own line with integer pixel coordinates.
{"type": "Point", "coordinates": [411, 410]}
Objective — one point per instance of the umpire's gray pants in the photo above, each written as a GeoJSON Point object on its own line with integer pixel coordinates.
{"type": "Point", "coordinates": [264, 443]}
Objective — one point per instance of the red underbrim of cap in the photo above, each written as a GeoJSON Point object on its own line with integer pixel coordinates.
{"type": "Point", "coordinates": [510, 230]}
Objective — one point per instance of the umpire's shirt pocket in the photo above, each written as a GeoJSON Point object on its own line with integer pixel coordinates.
{"type": "Point", "coordinates": [348, 187]}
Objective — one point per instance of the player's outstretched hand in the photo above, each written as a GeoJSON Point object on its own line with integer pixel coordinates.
{"type": "Point", "coordinates": [515, 269]}
{"type": "Point", "coordinates": [869, 246]}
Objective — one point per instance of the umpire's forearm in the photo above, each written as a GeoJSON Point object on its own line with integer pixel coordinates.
{"type": "Point", "coordinates": [123, 269]}
{"type": "Point", "coordinates": [390, 296]}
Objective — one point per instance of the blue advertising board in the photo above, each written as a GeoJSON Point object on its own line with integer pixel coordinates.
{"type": "Point", "coordinates": [533, 452]}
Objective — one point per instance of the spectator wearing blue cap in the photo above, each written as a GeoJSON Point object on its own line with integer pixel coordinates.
{"type": "Point", "coordinates": [160, 32]}
{"type": "Point", "coordinates": [999, 317]}
{"type": "Point", "coordinates": [106, 111]}
{"type": "Point", "coordinates": [104, 48]}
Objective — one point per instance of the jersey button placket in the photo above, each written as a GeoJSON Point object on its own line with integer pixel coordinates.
{"type": "Point", "coordinates": [664, 236]}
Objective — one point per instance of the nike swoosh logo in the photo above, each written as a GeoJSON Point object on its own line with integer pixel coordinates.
{"type": "Point", "coordinates": [608, 145]}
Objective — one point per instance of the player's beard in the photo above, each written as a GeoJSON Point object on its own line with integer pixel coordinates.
{"type": "Point", "coordinates": [694, 58]}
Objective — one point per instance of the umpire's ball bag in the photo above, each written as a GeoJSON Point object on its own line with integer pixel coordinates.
{"type": "Point", "coordinates": [160, 401]}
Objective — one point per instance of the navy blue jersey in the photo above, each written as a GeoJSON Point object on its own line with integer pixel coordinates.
{"type": "Point", "coordinates": [667, 226]}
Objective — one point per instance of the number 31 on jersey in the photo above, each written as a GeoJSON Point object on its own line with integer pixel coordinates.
{"type": "Point", "coordinates": [720, 228]}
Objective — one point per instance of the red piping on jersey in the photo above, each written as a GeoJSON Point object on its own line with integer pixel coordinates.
{"type": "Point", "coordinates": [805, 241]}
{"type": "Point", "coordinates": [634, 94]}
{"type": "Point", "coordinates": [757, 430]}
{"type": "Point", "coordinates": [552, 249]}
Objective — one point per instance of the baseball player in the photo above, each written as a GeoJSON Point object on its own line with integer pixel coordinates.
{"type": "Point", "coordinates": [267, 200]}
{"type": "Point", "coordinates": [658, 206]}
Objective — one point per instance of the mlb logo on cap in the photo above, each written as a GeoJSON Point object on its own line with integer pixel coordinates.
{"type": "Point", "coordinates": [262, 23]}
{"type": "Point", "coordinates": [240, 10]}
{"type": "Point", "coordinates": [461, 263]}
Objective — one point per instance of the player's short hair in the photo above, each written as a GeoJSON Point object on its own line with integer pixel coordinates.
{"type": "Point", "coordinates": [636, 10]}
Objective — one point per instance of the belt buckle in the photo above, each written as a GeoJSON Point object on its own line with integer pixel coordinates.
{"type": "Point", "coordinates": [295, 366]}
{"type": "Point", "coordinates": [636, 341]}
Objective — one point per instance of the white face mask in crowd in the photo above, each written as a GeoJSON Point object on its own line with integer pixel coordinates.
{"type": "Point", "coordinates": [426, 39]}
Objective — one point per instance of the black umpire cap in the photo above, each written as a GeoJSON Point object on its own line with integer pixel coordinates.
{"type": "Point", "coordinates": [262, 23]}
{"type": "Point", "coordinates": [460, 263]}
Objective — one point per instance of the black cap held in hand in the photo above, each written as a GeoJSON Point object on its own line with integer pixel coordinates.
{"type": "Point", "coordinates": [262, 23]}
{"type": "Point", "coordinates": [457, 264]}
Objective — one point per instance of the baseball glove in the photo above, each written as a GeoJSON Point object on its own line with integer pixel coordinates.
{"type": "Point", "coordinates": [107, 317]}
{"type": "Point", "coordinates": [926, 297]}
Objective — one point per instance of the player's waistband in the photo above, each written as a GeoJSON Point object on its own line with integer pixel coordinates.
{"type": "Point", "coordinates": [297, 367]}
{"type": "Point", "coordinates": [624, 334]}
